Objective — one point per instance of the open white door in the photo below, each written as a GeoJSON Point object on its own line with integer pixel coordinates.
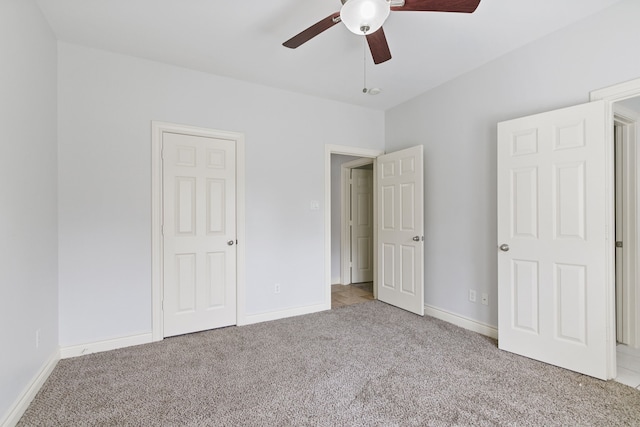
{"type": "Point", "coordinates": [400, 208]}
{"type": "Point", "coordinates": [361, 226]}
{"type": "Point", "coordinates": [552, 224]}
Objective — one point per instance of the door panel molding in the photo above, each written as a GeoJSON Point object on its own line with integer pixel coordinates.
{"type": "Point", "coordinates": [157, 130]}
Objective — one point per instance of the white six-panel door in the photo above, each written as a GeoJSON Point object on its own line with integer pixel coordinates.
{"type": "Point", "coordinates": [199, 233]}
{"type": "Point", "coordinates": [361, 225]}
{"type": "Point", "coordinates": [400, 229]}
{"type": "Point", "coordinates": [551, 232]}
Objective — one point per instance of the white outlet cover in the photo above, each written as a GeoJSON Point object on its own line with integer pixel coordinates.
{"type": "Point", "coordinates": [485, 299]}
{"type": "Point", "coordinates": [314, 205]}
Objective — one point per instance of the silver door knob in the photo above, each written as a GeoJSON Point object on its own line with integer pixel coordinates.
{"type": "Point", "coordinates": [504, 247]}
{"type": "Point", "coordinates": [230, 243]}
{"type": "Point", "coordinates": [416, 238]}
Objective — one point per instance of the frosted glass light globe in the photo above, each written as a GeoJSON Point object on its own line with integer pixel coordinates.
{"type": "Point", "coordinates": [364, 16]}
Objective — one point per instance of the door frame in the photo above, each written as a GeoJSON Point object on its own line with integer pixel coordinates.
{"type": "Point", "coordinates": [345, 215]}
{"type": "Point", "coordinates": [157, 241]}
{"type": "Point", "coordinates": [627, 121]}
{"type": "Point", "coordinates": [611, 95]}
{"type": "Point", "coordinates": [330, 149]}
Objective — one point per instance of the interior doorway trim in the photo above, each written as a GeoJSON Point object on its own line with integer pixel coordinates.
{"type": "Point", "coordinates": [618, 92]}
{"type": "Point", "coordinates": [628, 304]}
{"type": "Point", "coordinates": [157, 129]}
{"type": "Point", "coordinates": [345, 214]}
{"type": "Point", "coordinates": [330, 149]}
{"type": "Point", "coordinates": [611, 95]}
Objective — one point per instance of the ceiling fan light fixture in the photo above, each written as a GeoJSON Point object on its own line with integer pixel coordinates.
{"type": "Point", "coordinates": [364, 16]}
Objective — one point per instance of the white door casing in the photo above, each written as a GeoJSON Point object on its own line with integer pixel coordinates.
{"type": "Point", "coordinates": [625, 124]}
{"type": "Point", "coordinates": [400, 245]}
{"type": "Point", "coordinates": [199, 233]}
{"type": "Point", "coordinates": [361, 225]}
{"type": "Point", "coordinates": [553, 303]}
{"type": "Point", "coordinates": [611, 95]}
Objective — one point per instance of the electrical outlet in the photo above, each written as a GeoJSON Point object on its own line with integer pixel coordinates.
{"type": "Point", "coordinates": [472, 295]}
{"type": "Point", "coordinates": [485, 298]}
{"type": "Point", "coordinates": [37, 338]}
{"type": "Point", "coordinates": [276, 288]}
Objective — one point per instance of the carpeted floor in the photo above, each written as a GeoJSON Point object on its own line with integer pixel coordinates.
{"type": "Point", "coordinates": [364, 365]}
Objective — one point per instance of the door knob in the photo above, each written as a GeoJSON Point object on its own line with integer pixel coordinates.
{"type": "Point", "coordinates": [230, 243]}
{"type": "Point", "coordinates": [416, 238]}
{"type": "Point", "coordinates": [504, 247]}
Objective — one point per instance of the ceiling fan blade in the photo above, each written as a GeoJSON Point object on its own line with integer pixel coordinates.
{"type": "Point", "coordinates": [312, 31]}
{"type": "Point", "coordinates": [464, 6]}
{"type": "Point", "coordinates": [379, 47]}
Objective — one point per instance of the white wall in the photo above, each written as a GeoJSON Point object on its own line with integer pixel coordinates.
{"type": "Point", "coordinates": [28, 210]}
{"type": "Point", "coordinates": [107, 103]}
{"type": "Point", "coordinates": [456, 123]}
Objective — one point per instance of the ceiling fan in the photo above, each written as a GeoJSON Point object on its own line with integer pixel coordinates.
{"type": "Point", "coordinates": [365, 17]}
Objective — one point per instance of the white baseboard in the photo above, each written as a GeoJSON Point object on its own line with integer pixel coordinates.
{"type": "Point", "coordinates": [463, 322]}
{"type": "Point", "coordinates": [99, 346]}
{"type": "Point", "coordinates": [17, 410]}
{"type": "Point", "coordinates": [281, 314]}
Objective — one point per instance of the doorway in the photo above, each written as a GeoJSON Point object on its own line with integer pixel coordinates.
{"type": "Point", "coordinates": [333, 270]}
{"type": "Point", "coordinates": [352, 246]}
{"type": "Point", "coordinates": [352, 261]}
{"type": "Point", "coordinates": [398, 218]}
{"type": "Point", "coordinates": [626, 117]}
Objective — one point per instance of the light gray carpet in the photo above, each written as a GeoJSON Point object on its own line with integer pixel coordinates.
{"type": "Point", "coordinates": [363, 365]}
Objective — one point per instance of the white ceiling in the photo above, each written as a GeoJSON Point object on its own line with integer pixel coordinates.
{"type": "Point", "coordinates": [243, 40]}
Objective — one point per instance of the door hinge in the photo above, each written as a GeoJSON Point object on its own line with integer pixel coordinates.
{"type": "Point", "coordinates": [618, 244]}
